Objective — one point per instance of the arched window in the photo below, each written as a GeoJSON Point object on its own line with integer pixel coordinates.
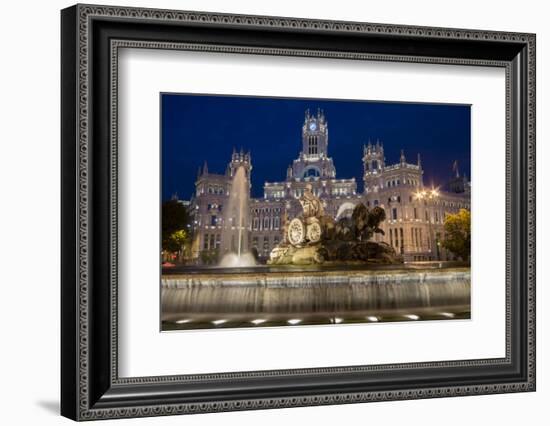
{"type": "Point", "coordinates": [312, 172]}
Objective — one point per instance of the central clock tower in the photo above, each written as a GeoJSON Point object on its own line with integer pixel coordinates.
{"type": "Point", "coordinates": [315, 135]}
{"type": "Point", "coordinates": [313, 162]}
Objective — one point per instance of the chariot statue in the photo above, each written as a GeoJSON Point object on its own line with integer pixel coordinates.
{"type": "Point", "coordinates": [306, 229]}
{"type": "Point", "coordinates": [316, 238]}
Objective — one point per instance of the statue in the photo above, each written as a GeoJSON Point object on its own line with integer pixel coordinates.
{"type": "Point", "coordinates": [316, 238]}
{"type": "Point", "coordinates": [307, 228]}
{"type": "Point", "coordinates": [311, 204]}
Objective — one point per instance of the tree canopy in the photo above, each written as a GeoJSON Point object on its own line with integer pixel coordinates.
{"type": "Point", "coordinates": [175, 221]}
{"type": "Point", "coordinates": [457, 234]}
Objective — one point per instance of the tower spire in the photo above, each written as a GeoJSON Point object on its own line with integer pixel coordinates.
{"type": "Point", "coordinates": [403, 159]}
{"type": "Point", "coordinates": [205, 168]}
{"type": "Point", "coordinates": [418, 160]}
{"type": "Point", "coordinates": [455, 168]}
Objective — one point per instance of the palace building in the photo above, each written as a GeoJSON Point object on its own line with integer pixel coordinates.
{"type": "Point", "coordinates": [414, 212]}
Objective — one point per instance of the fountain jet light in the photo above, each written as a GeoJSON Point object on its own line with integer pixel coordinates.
{"type": "Point", "coordinates": [412, 317]}
{"type": "Point", "coordinates": [219, 322]}
{"type": "Point", "coordinates": [233, 260]}
{"type": "Point", "coordinates": [234, 242]}
{"type": "Point", "coordinates": [448, 314]}
{"type": "Point", "coordinates": [183, 321]}
{"type": "Point", "coordinates": [373, 319]}
{"type": "Point", "coordinates": [294, 321]}
{"type": "Point", "coordinates": [258, 321]}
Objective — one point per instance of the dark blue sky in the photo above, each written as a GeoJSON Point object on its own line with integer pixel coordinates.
{"type": "Point", "coordinates": [196, 128]}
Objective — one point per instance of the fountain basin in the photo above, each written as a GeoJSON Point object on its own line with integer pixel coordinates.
{"type": "Point", "coordinates": [211, 299]}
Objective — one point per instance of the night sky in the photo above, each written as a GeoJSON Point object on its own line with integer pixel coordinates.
{"type": "Point", "coordinates": [196, 128]}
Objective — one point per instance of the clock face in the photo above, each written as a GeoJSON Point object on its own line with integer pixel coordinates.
{"type": "Point", "coordinates": [312, 126]}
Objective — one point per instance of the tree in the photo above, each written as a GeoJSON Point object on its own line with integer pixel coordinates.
{"type": "Point", "coordinates": [457, 234]}
{"type": "Point", "coordinates": [175, 226]}
{"type": "Point", "coordinates": [175, 241]}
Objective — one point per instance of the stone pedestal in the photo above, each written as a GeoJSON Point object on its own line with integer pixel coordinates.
{"type": "Point", "coordinates": [334, 252]}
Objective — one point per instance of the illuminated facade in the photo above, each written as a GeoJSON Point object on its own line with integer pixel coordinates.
{"type": "Point", "coordinates": [414, 213]}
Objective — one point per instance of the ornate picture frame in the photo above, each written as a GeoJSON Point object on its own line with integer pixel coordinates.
{"type": "Point", "coordinates": [91, 37]}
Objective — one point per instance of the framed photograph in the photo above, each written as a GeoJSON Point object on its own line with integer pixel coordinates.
{"type": "Point", "coordinates": [263, 212]}
{"type": "Point", "coordinates": [259, 239]}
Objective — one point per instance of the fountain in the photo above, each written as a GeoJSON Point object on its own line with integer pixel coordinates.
{"type": "Point", "coordinates": [234, 242]}
{"type": "Point", "coordinates": [314, 297]}
{"type": "Point", "coordinates": [323, 272]}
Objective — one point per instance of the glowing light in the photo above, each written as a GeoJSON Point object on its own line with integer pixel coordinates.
{"type": "Point", "coordinates": [448, 314]}
{"type": "Point", "coordinates": [294, 321]}
{"type": "Point", "coordinates": [258, 321]}
{"type": "Point", "coordinates": [233, 260]}
{"type": "Point", "coordinates": [183, 321]}
{"type": "Point", "coordinates": [219, 322]}
{"type": "Point", "coordinates": [337, 320]}
{"type": "Point", "coordinates": [373, 319]}
{"type": "Point", "coordinates": [412, 317]}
